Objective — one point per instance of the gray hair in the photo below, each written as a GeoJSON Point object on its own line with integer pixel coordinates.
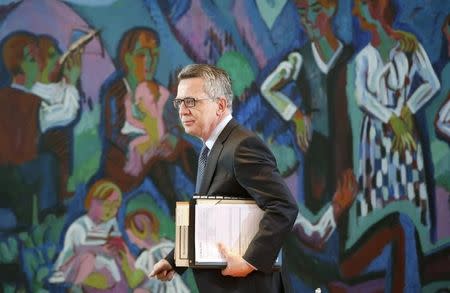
{"type": "Point", "coordinates": [217, 82]}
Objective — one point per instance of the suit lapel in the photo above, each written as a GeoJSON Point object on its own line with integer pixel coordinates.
{"type": "Point", "coordinates": [214, 156]}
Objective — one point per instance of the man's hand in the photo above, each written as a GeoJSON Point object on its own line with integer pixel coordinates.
{"type": "Point", "coordinates": [162, 270]}
{"type": "Point", "coordinates": [236, 265]}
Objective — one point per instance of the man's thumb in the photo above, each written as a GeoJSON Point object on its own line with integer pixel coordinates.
{"type": "Point", "coordinates": [152, 274]}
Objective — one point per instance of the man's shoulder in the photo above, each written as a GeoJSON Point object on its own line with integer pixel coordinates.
{"type": "Point", "coordinates": [240, 133]}
{"type": "Point", "coordinates": [238, 130]}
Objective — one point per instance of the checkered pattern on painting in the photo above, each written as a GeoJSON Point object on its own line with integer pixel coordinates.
{"type": "Point", "coordinates": [386, 175]}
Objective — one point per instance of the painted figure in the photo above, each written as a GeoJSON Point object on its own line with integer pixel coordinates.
{"type": "Point", "coordinates": [323, 133]}
{"type": "Point", "coordinates": [391, 170]}
{"type": "Point", "coordinates": [318, 71]}
{"type": "Point", "coordinates": [142, 228]}
{"type": "Point", "coordinates": [391, 166]}
{"type": "Point", "coordinates": [56, 86]}
{"type": "Point", "coordinates": [26, 169]}
{"type": "Point", "coordinates": [443, 116]}
{"type": "Point", "coordinates": [149, 100]}
{"type": "Point", "coordinates": [124, 120]}
{"type": "Point", "coordinates": [91, 243]}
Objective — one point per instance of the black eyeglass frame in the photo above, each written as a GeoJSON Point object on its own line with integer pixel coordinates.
{"type": "Point", "coordinates": [189, 102]}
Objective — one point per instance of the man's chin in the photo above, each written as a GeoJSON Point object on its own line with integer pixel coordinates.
{"type": "Point", "coordinates": [189, 130]}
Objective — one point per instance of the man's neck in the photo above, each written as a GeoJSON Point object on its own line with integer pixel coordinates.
{"type": "Point", "coordinates": [218, 129]}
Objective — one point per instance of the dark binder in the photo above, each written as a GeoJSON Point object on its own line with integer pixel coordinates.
{"type": "Point", "coordinates": [208, 210]}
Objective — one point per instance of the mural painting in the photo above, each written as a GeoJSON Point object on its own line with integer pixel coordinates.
{"type": "Point", "coordinates": [352, 97]}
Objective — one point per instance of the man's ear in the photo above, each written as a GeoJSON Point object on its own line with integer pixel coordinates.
{"type": "Point", "coordinates": [222, 105]}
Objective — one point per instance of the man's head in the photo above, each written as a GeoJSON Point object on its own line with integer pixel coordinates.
{"type": "Point", "coordinates": [50, 54]}
{"type": "Point", "coordinates": [203, 99]}
{"type": "Point", "coordinates": [316, 16]}
{"type": "Point", "coordinates": [139, 53]}
{"type": "Point", "coordinates": [20, 56]}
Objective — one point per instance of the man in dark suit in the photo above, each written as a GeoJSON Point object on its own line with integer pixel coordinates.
{"type": "Point", "coordinates": [238, 164]}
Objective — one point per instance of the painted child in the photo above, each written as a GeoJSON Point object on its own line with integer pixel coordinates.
{"type": "Point", "coordinates": [91, 242]}
{"type": "Point", "coordinates": [149, 99]}
{"type": "Point", "coordinates": [142, 228]}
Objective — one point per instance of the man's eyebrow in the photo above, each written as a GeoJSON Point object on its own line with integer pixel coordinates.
{"type": "Point", "coordinates": [180, 98]}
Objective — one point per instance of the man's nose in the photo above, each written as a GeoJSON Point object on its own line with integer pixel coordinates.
{"type": "Point", "coordinates": [183, 110]}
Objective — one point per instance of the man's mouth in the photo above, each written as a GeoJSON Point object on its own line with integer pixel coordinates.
{"type": "Point", "coordinates": [188, 122]}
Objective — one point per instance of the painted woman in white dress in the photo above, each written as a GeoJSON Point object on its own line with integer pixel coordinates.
{"type": "Point", "coordinates": [394, 80]}
{"type": "Point", "coordinates": [443, 116]}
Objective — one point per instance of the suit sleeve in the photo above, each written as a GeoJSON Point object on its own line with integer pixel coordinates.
{"type": "Point", "coordinates": [171, 259]}
{"type": "Point", "coordinates": [256, 171]}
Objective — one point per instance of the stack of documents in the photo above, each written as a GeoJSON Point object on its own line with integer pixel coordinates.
{"type": "Point", "coordinates": [203, 223]}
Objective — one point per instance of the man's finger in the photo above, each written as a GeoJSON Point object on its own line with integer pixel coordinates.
{"type": "Point", "coordinates": [162, 275]}
{"type": "Point", "coordinates": [157, 270]}
{"type": "Point", "coordinates": [152, 274]}
{"type": "Point", "coordinates": [225, 272]}
{"type": "Point", "coordinates": [170, 275]}
{"type": "Point", "coordinates": [167, 275]}
{"type": "Point", "coordinates": [223, 250]}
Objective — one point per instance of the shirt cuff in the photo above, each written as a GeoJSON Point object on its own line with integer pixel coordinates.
{"type": "Point", "coordinates": [253, 267]}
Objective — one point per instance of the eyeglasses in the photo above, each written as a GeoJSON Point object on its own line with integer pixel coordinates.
{"type": "Point", "coordinates": [188, 102]}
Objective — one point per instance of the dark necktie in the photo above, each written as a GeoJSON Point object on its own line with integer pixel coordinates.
{"type": "Point", "coordinates": [202, 159]}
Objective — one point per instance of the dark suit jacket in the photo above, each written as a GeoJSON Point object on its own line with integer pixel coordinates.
{"type": "Point", "coordinates": [240, 164]}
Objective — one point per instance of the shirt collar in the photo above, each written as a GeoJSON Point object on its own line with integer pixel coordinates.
{"type": "Point", "coordinates": [216, 132]}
